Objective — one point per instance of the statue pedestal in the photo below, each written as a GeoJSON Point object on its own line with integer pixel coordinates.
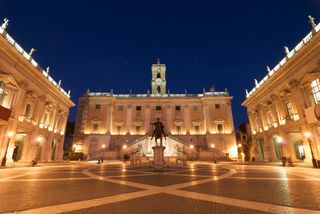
{"type": "Point", "coordinates": [158, 157]}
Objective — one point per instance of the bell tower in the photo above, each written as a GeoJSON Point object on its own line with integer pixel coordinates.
{"type": "Point", "coordinates": [158, 81]}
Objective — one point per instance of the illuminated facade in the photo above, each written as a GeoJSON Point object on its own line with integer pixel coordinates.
{"type": "Point", "coordinates": [115, 120]}
{"type": "Point", "coordinates": [284, 106]}
{"type": "Point", "coordinates": [33, 107]}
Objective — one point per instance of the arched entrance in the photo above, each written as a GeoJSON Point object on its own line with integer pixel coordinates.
{"type": "Point", "coordinates": [18, 146]}
{"type": "Point", "coordinates": [17, 151]}
{"type": "Point", "coordinates": [53, 148]}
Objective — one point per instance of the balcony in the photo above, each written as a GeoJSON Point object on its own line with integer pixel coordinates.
{"type": "Point", "coordinates": [23, 118]}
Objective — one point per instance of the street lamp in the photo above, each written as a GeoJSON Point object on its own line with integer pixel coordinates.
{"type": "Point", "coordinates": [124, 147]}
{"type": "Point", "coordinates": [4, 159]}
{"type": "Point", "coordinates": [102, 150]}
{"type": "Point", "coordinates": [214, 158]}
{"type": "Point", "coordinates": [314, 161]}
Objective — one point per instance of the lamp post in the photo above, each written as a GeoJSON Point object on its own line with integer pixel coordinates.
{"type": "Point", "coordinates": [314, 161]}
{"type": "Point", "coordinates": [124, 147]}
{"type": "Point", "coordinates": [213, 157]}
{"type": "Point", "coordinates": [191, 148]}
{"type": "Point", "coordinates": [4, 159]}
{"type": "Point", "coordinates": [102, 150]}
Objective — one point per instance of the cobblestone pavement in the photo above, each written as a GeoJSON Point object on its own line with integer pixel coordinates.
{"type": "Point", "coordinates": [197, 188]}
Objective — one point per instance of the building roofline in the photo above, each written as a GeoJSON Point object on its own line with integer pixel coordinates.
{"type": "Point", "coordinates": [279, 67]}
{"type": "Point", "coordinates": [29, 59]}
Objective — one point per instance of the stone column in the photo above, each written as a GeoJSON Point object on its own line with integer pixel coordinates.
{"type": "Point", "coordinates": [274, 109]}
{"type": "Point", "coordinates": [18, 106]}
{"type": "Point", "coordinates": [261, 116]}
{"type": "Point", "coordinates": [297, 98]}
{"type": "Point", "coordinates": [206, 117]}
{"type": "Point", "coordinates": [147, 118]}
{"type": "Point", "coordinates": [129, 119]}
{"type": "Point", "coordinates": [53, 117]}
{"type": "Point", "coordinates": [230, 117]}
{"type": "Point", "coordinates": [13, 123]}
{"type": "Point", "coordinates": [31, 148]}
{"type": "Point", "coordinates": [111, 118]}
{"type": "Point", "coordinates": [281, 107]}
{"type": "Point", "coordinates": [48, 155]}
{"type": "Point", "coordinates": [252, 124]}
{"type": "Point", "coordinates": [307, 93]}
{"type": "Point", "coordinates": [168, 129]}
{"type": "Point", "coordinates": [108, 118]}
{"type": "Point", "coordinates": [187, 118]}
{"type": "Point", "coordinates": [40, 109]}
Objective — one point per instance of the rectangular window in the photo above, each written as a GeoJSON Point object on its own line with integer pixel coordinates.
{"type": "Point", "coordinates": [95, 127]}
{"type": "Point", "coordinates": [217, 105]}
{"type": "Point", "coordinates": [270, 117]}
{"type": "Point", "coordinates": [220, 128]}
{"type": "Point", "coordinates": [178, 108]}
{"type": "Point", "coordinates": [178, 128]}
{"type": "Point", "coordinates": [158, 108]}
{"type": "Point", "coordinates": [138, 108]}
{"type": "Point", "coordinates": [195, 108]}
{"type": "Point", "coordinates": [98, 106]}
{"type": "Point", "coordinates": [289, 109]}
{"type": "Point", "coordinates": [120, 108]}
{"type": "Point", "coordinates": [27, 112]}
{"type": "Point", "coordinates": [138, 129]}
{"type": "Point", "coordinates": [118, 129]}
{"type": "Point", "coordinates": [315, 86]}
{"type": "Point", "coordinates": [2, 89]}
{"type": "Point", "coordinates": [45, 117]}
{"type": "Point", "coordinates": [196, 129]}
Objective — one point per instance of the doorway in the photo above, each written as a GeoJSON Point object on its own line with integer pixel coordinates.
{"type": "Point", "coordinates": [18, 146]}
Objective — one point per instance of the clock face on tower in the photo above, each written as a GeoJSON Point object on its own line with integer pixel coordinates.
{"type": "Point", "coordinates": [158, 81]}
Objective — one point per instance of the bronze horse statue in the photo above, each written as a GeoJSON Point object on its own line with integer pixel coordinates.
{"type": "Point", "coordinates": [158, 132]}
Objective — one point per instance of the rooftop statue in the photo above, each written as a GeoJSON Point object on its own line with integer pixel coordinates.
{"type": "Point", "coordinates": [311, 21]}
{"type": "Point", "coordinates": [5, 23]}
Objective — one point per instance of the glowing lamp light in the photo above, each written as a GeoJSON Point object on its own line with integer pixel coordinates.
{"type": "Point", "coordinates": [124, 146]}
{"type": "Point", "coordinates": [103, 146]}
{"type": "Point", "coordinates": [307, 134]}
{"type": "Point", "coordinates": [10, 134]}
{"type": "Point", "coordinates": [239, 145]}
{"type": "Point", "coordinates": [191, 146]}
{"type": "Point", "coordinates": [280, 139]}
{"type": "Point", "coordinates": [77, 148]}
{"type": "Point", "coordinates": [233, 152]}
{"type": "Point", "coordinates": [39, 139]}
{"type": "Point", "coordinates": [212, 145]}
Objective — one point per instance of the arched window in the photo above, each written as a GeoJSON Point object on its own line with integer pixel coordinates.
{"type": "Point", "coordinates": [2, 89]}
{"type": "Point", "coordinates": [159, 89]}
{"type": "Point", "coordinates": [27, 111]}
{"type": "Point", "coordinates": [315, 86]}
{"type": "Point", "coordinates": [158, 75]}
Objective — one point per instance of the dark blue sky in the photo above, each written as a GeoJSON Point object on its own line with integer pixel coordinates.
{"type": "Point", "coordinates": [111, 44]}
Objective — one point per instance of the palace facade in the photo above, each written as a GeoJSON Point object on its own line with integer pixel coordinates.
{"type": "Point", "coordinates": [111, 124]}
{"type": "Point", "coordinates": [283, 108]}
{"type": "Point", "coordinates": [33, 107]}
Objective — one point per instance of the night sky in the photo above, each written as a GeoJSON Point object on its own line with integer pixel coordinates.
{"type": "Point", "coordinates": [102, 45]}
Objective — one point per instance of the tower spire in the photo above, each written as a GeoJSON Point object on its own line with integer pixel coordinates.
{"type": "Point", "coordinates": [158, 61]}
